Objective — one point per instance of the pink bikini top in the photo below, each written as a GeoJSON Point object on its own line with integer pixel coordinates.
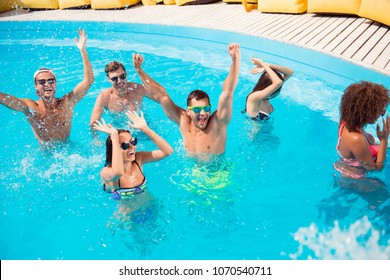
{"type": "Point", "coordinates": [373, 148]}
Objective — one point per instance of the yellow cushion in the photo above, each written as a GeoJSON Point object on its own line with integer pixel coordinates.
{"type": "Point", "coordinates": [150, 2]}
{"type": "Point", "coordinates": [283, 6]}
{"type": "Point", "coordinates": [112, 4]}
{"type": "Point", "coordinates": [64, 4]}
{"type": "Point", "coordinates": [378, 10]}
{"type": "Point", "coordinates": [6, 5]}
{"type": "Point", "coordinates": [194, 2]}
{"type": "Point", "coordinates": [169, 2]}
{"type": "Point", "coordinates": [183, 2]}
{"type": "Point", "coordinates": [334, 6]}
{"type": "Point", "coordinates": [39, 4]}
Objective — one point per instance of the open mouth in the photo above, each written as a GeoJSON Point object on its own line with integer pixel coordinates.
{"type": "Point", "coordinates": [48, 91]}
{"type": "Point", "coordinates": [202, 120]}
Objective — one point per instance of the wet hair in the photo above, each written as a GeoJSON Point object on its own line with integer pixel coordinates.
{"type": "Point", "coordinates": [197, 95]}
{"type": "Point", "coordinates": [109, 147]}
{"type": "Point", "coordinates": [265, 81]}
{"type": "Point", "coordinates": [362, 103]}
{"type": "Point", "coordinates": [113, 66]}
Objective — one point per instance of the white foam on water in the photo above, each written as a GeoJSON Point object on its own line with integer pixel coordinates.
{"type": "Point", "coordinates": [26, 164]}
{"type": "Point", "coordinates": [358, 242]}
{"type": "Point", "coordinates": [59, 164]}
{"type": "Point", "coordinates": [315, 95]}
{"type": "Point", "coordinates": [70, 164]}
{"type": "Point", "coordinates": [205, 58]}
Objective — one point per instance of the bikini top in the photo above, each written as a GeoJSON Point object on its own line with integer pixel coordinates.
{"type": "Point", "coordinates": [143, 183]}
{"type": "Point", "coordinates": [373, 148]}
{"type": "Point", "coordinates": [261, 115]}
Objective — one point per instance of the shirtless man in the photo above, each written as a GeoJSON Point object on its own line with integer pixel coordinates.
{"type": "Point", "coordinates": [123, 96]}
{"type": "Point", "coordinates": [202, 132]}
{"type": "Point", "coordinates": [51, 117]}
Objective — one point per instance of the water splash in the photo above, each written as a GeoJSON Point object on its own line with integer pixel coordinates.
{"type": "Point", "coordinates": [217, 60]}
{"type": "Point", "coordinates": [54, 167]}
{"type": "Point", "coordinates": [358, 242]}
{"type": "Point", "coordinates": [75, 164]}
{"type": "Point", "coordinates": [319, 96]}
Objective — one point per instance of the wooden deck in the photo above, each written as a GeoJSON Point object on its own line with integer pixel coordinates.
{"type": "Point", "coordinates": [354, 39]}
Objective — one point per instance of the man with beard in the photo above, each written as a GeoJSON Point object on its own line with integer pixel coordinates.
{"type": "Point", "coordinates": [123, 96]}
{"type": "Point", "coordinates": [203, 132]}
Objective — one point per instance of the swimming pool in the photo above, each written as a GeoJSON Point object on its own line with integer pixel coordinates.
{"type": "Point", "coordinates": [274, 194]}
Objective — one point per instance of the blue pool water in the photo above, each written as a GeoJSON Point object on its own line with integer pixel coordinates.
{"type": "Point", "coordinates": [273, 195]}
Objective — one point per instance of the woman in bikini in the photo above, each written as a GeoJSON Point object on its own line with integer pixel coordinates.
{"type": "Point", "coordinates": [258, 106]}
{"type": "Point", "coordinates": [361, 104]}
{"type": "Point", "coordinates": [122, 174]}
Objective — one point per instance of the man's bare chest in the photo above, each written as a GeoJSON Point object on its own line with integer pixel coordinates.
{"type": "Point", "coordinates": [58, 117]}
{"type": "Point", "coordinates": [120, 104]}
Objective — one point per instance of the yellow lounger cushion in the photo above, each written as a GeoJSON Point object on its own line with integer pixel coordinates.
{"type": "Point", "coordinates": [283, 6]}
{"type": "Point", "coordinates": [64, 4]}
{"type": "Point", "coordinates": [150, 2]}
{"type": "Point", "coordinates": [249, 5]}
{"type": "Point", "coordinates": [7, 5]}
{"type": "Point", "coordinates": [195, 2]}
{"type": "Point", "coordinates": [169, 2]}
{"type": "Point", "coordinates": [334, 6]}
{"type": "Point", "coordinates": [378, 10]}
{"type": "Point", "coordinates": [112, 4]}
{"type": "Point", "coordinates": [39, 4]}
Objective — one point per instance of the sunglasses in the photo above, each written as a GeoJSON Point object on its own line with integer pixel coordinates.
{"type": "Point", "coordinates": [198, 109]}
{"type": "Point", "coordinates": [122, 77]}
{"type": "Point", "coordinates": [126, 145]}
{"type": "Point", "coordinates": [42, 82]}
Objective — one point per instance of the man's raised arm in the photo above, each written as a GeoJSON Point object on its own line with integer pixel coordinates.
{"type": "Point", "coordinates": [157, 92]}
{"type": "Point", "coordinates": [81, 89]}
{"type": "Point", "coordinates": [225, 103]}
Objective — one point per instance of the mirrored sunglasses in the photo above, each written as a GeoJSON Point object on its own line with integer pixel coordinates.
{"type": "Point", "coordinates": [198, 109]}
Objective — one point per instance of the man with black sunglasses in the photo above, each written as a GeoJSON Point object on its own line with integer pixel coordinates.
{"type": "Point", "coordinates": [203, 132]}
{"type": "Point", "coordinates": [121, 97]}
{"type": "Point", "coordinates": [51, 117]}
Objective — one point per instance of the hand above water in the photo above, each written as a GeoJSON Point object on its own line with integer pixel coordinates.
{"type": "Point", "coordinates": [384, 133]}
{"type": "Point", "coordinates": [234, 51]}
{"type": "Point", "coordinates": [136, 121]}
{"type": "Point", "coordinates": [137, 60]}
{"type": "Point", "coordinates": [82, 42]}
{"type": "Point", "coordinates": [103, 127]}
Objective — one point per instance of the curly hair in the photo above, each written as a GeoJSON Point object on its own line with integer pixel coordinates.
{"type": "Point", "coordinates": [113, 66]}
{"type": "Point", "coordinates": [197, 95]}
{"type": "Point", "coordinates": [362, 103]}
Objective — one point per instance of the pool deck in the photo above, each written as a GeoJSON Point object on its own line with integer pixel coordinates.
{"type": "Point", "coordinates": [358, 40]}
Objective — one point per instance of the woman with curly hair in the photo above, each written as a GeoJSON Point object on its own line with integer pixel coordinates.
{"type": "Point", "coordinates": [361, 104]}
